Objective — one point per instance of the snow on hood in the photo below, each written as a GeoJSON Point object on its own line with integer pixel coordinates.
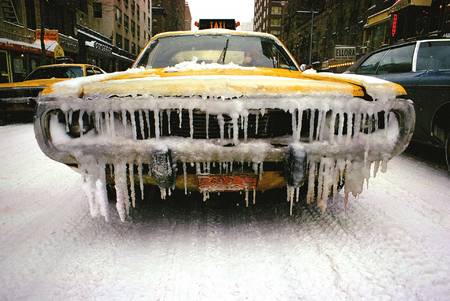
{"type": "Point", "coordinates": [194, 65]}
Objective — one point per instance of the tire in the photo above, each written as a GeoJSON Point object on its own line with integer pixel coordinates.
{"type": "Point", "coordinates": [447, 151]}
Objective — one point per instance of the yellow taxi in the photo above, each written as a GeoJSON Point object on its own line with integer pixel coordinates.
{"type": "Point", "coordinates": [218, 111]}
{"type": "Point", "coordinates": [19, 98]}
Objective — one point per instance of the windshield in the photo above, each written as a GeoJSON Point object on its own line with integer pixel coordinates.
{"type": "Point", "coordinates": [56, 72]}
{"type": "Point", "coordinates": [222, 49]}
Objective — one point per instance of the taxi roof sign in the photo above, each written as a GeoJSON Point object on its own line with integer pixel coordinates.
{"type": "Point", "coordinates": [217, 23]}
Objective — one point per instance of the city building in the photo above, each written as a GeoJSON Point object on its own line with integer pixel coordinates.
{"type": "Point", "coordinates": [344, 30]}
{"type": "Point", "coordinates": [268, 16]}
{"type": "Point", "coordinates": [187, 17]}
{"type": "Point", "coordinates": [107, 33]}
{"type": "Point", "coordinates": [394, 21]}
{"type": "Point", "coordinates": [168, 15]}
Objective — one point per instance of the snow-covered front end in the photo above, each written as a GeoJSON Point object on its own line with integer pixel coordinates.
{"type": "Point", "coordinates": [223, 128]}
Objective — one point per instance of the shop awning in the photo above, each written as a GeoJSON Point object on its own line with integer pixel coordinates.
{"type": "Point", "coordinates": [401, 4]}
{"type": "Point", "coordinates": [52, 48]}
{"type": "Point", "coordinates": [378, 18]}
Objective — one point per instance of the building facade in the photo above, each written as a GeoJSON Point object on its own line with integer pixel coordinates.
{"type": "Point", "coordinates": [268, 16]}
{"type": "Point", "coordinates": [168, 15]}
{"type": "Point", "coordinates": [107, 33]}
{"type": "Point", "coordinates": [394, 21]}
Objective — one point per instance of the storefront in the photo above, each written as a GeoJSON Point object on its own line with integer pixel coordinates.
{"type": "Point", "coordinates": [122, 60]}
{"type": "Point", "coordinates": [19, 58]}
{"type": "Point", "coordinates": [94, 48]}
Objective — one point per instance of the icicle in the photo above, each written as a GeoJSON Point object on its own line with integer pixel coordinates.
{"type": "Point", "coordinates": [246, 197]}
{"type": "Point", "coordinates": [234, 120]}
{"type": "Point", "coordinates": [319, 124]}
{"type": "Point", "coordinates": [112, 122]}
{"type": "Point", "coordinates": [163, 192]}
{"type": "Point", "coordinates": [221, 127]}
{"type": "Point", "coordinates": [332, 126]}
{"type": "Point", "coordinates": [357, 125]}
{"type": "Point", "coordinates": [147, 118]}
{"type": "Point", "coordinates": [131, 174]}
{"type": "Point", "coordinates": [70, 116]}
{"type": "Point", "coordinates": [375, 125]}
{"type": "Point", "coordinates": [290, 191]}
{"type": "Point", "coordinates": [311, 182]}
{"type": "Point", "coordinates": [66, 117]}
{"type": "Point", "coordinates": [386, 123]}
{"type": "Point", "coordinates": [124, 120]}
{"type": "Point", "coordinates": [254, 196]}
{"type": "Point", "coordinates": [363, 126]}
{"type": "Point", "coordinates": [297, 193]}
{"type": "Point", "coordinates": [294, 124]}
{"type": "Point", "coordinates": [161, 121]}
{"type": "Point", "coordinates": [141, 178]}
{"type": "Point", "coordinates": [311, 125]}
{"type": "Point", "coordinates": [168, 112]}
{"type": "Point", "coordinates": [349, 127]}
{"type": "Point", "coordinates": [207, 126]}
{"type": "Point", "coordinates": [80, 123]}
{"type": "Point", "coordinates": [106, 123]}
{"type": "Point", "coordinates": [231, 166]}
{"type": "Point", "coordinates": [180, 117]}
{"type": "Point", "coordinates": [133, 124]}
{"type": "Point", "coordinates": [376, 167]}
{"type": "Point", "coordinates": [141, 124]}
{"type": "Point", "coordinates": [120, 179]}
{"type": "Point", "coordinates": [299, 124]}
{"type": "Point", "coordinates": [255, 167]}
{"type": "Point", "coordinates": [185, 178]}
{"type": "Point", "coordinates": [256, 123]}
{"type": "Point", "coordinates": [245, 127]}
{"type": "Point", "coordinates": [97, 123]}
{"type": "Point", "coordinates": [156, 116]}
{"type": "Point", "coordinates": [197, 168]}
{"type": "Point", "coordinates": [341, 126]}
{"type": "Point", "coordinates": [191, 123]}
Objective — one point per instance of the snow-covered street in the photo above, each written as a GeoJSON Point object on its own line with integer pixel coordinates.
{"type": "Point", "coordinates": [392, 243]}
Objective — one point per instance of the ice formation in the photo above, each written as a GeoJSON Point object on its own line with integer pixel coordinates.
{"type": "Point", "coordinates": [343, 142]}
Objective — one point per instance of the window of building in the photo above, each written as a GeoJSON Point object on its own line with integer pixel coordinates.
{"type": "Point", "coordinates": [133, 7]}
{"type": "Point", "coordinates": [118, 16]}
{"type": "Point", "coordinates": [126, 3]}
{"type": "Point", "coordinates": [276, 10]}
{"type": "Point", "coordinates": [126, 44]}
{"type": "Point", "coordinates": [125, 22]}
{"type": "Point", "coordinates": [133, 48]}
{"type": "Point", "coordinates": [275, 22]}
{"type": "Point", "coordinates": [138, 32]}
{"type": "Point", "coordinates": [118, 40]}
{"type": "Point", "coordinates": [275, 32]}
{"type": "Point", "coordinates": [138, 12]}
{"type": "Point", "coordinates": [133, 28]}
{"type": "Point", "coordinates": [97, 6]}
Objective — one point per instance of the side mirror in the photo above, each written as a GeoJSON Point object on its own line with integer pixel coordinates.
{"type": "Point", "coordinates": [303, 67]}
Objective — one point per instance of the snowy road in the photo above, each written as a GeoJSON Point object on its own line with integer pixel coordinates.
{"type": "Point", "coordinates": [391, 243]}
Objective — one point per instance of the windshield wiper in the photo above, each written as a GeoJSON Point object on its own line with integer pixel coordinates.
{"type": "Point", "coordinates": [223, 53]}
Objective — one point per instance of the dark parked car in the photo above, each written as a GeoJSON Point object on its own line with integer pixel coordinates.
{"type": "Point", "coordinates": [423, 69]}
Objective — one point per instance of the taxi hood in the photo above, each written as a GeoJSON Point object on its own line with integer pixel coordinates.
{"type": "Point", "coordinates": [224, 81]}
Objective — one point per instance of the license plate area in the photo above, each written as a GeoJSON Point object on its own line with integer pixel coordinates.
{"type": "Point", "coordinates": [213, 183]}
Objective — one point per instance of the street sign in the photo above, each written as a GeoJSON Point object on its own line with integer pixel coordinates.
{"type": "Point", "coordinates": [344, 52]}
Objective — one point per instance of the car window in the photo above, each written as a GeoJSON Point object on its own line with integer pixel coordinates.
{"type": "Point", "coordinates": [434, 55]}
{"type": "Point", "coordinates": [397, 60]}
{"type": "Point", "coordinates": [56, 72]}
{"type": "Point", "coordinates": [221, 49]}
{"type": "Point", "coordinates": [89, 71]}
{"type": "Point", "coordinates": [370, 65]}
{"type": "Point", "coordinates": [97, 70]}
